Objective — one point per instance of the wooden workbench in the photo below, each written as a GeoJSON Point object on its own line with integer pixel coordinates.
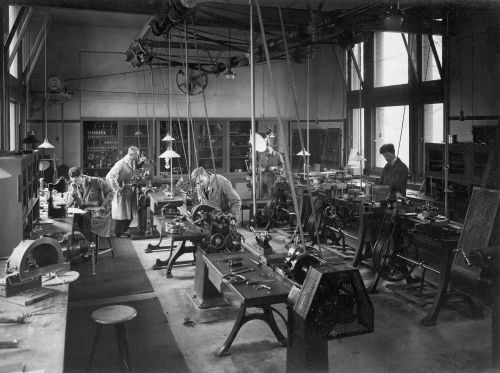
{"type": "Point", "coordinates": [42, 336]}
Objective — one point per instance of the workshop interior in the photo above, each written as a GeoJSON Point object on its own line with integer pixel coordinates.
{"type": "Point", "coordinates": [250, 186]}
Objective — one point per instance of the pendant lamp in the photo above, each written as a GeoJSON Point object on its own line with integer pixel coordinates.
{"type": "Point", "coordinates": [168, 137]}
{"type": "Point", "coordinates": [46, 144]}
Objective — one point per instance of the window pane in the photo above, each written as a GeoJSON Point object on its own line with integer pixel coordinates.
{"type": "Point", "coordinates": [388, 129]}
{"type": "Point", "coordinates": [429, 65]}
{"type": "Point", "coordinates": [357, 125]}
{"type": "Point", "coordinates": [391, 59]}
{"type": "Point", "coordinates": [433, 123]}
{"type": "Point", "coordinates": [358, 52]}
{"type": "Point", "coordinates": [13, 125]}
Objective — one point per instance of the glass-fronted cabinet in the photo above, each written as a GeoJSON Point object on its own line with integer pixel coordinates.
{"type": "Point", "coordinates": [239, 147]}
{"type": "Point", "coordinates": [211, 142]}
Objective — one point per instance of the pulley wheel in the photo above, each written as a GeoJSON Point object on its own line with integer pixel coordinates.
{"type": "Point", "coordinates": [301, 265]}
{"type": "Point", "coordinates": [311, 229]}
{"type": "Point", "coordinates": [233, 242]}
{"type": "Point", "coordinates": [388, 258]}
{"type": "Point", "coordinates": [217, 242]}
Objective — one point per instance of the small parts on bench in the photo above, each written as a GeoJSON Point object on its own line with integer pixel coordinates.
{"type": "Point", "coordinates": [235, 278]}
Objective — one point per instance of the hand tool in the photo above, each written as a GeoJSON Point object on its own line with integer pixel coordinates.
{"type": "Point", "coordinates": [239, 271]}
{"type": "Point", "coordinates": [255, 261]}
{"type": "Point", "coordinates": [234, 278]}
{"type": "Point", "coordinates": [262, 287]}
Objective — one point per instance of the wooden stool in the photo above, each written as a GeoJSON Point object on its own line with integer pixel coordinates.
{"type": "Point", "coordinates": [116, 315]}
{"type": "Point", "coordinates": [95, 252]}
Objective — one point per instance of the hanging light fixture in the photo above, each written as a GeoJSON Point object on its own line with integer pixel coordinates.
{"type": "Point", "coordinates": [168, 137]}
{"type": "Point", "coordinates": [46, 144]}
{"type": "Point", "coordinates": [4, 174]}
{"type": "Point", "coordinates": [229, 74]}
{"type": "Point", "coordinates": [169, 153]}
{"type": "Point", "coordinates": [394, 18]}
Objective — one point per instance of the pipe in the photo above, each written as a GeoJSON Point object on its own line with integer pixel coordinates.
{"type": "Point", "coordinates": [252, 113]}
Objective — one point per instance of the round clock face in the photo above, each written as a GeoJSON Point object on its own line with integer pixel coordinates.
{"type": "Point", "coordinates": [55, 84]}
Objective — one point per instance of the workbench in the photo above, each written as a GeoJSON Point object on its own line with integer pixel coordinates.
{"type": "Point", "coordinates": [192, 234]}
{"type": "Point", "coordinates": [269, 288]}
{"type": "Point", "coordinates": [42, 336]}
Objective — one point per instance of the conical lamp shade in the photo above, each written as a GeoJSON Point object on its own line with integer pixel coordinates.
{"type": "Point", "coordinates": [303, 153]}
{"type": "Point", "coordinates": [138, 133]}
{"type": "Point", "coordinates": [169, 153]}
{"type": "Point", "coordinates": [46, 145]}
{"type": "Point", "coordinates": [4, 174]}
{"type": "Point", "coordinates": [168, 138]}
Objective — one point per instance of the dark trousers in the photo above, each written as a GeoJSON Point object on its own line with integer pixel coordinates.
{"type": "Point", "coordinates": [121, 226]}
{"type": "Point", "coordinates": [81, 223]}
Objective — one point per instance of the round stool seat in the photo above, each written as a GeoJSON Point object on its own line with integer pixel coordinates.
{"type": "Point", "coordinates": [113, 314]}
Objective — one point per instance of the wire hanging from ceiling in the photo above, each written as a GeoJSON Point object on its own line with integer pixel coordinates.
{"type": "Point", "coordinates": [205, 107]}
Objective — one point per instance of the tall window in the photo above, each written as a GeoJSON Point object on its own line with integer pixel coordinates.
{"type": "Point", "coordinates": [13, 121]}
{"type": "Point", "coordinates": [433, 123]}
{"type": "Point", "coordinates": [358, 52]}
{"type": "Point", "coordinates": [391, 59]}
{"type": "Point", "coordinates": [357, 126]}
{"type": "Point", "coordinates": [429, 66]}
{"type": "Point", "coordinates": [392, 127]}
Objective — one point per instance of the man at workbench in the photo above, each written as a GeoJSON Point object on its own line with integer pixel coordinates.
{"type": "Point", "coordinates": [217, 188]}
{"type": "Point", "coordinates": [395, 172]}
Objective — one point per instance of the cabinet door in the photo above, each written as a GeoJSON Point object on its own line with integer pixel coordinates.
{"type": "Point", "coordinates": [479, 155]}
{"type": "Point", "coordinates": [210, 143]}
{"type": "Point", "coordinates": [137, 134]}
{"type": "Point", "coordinates": [434, 158]}
{"type": "Point", "coordinates": [239, 147]}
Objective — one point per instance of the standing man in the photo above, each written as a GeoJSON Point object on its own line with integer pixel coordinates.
{"type": "Point", "coordinates": [218, 189]}
{"type": "Point", "coordinates": [270, 162]}
{"type": "Point", "coordinates": [120, 177]}
{"type": "Point", "coordinates": [93, 195]}
{"type": "Point", "coordinates": [395, 172]}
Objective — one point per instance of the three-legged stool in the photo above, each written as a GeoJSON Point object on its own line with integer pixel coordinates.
{"type": "Point", "coordinates": [116, 315]}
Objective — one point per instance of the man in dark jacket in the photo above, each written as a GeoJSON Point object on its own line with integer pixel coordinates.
{"type": "Point", "coordinates": [395, 172]}
{"type": "Point", "coordinates": [93, 195]}
{"type": "Point", "coordinates": [218, 189]}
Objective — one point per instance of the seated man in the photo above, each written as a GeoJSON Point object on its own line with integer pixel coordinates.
{"type": "Point", "coordinates": [218, 189]}
{"type": "Point", "coordinates": [395, 172]}
{"type": "Point", "coordinates": [270, 163]}
{"type": "Point", "coordinates": [93, 195]}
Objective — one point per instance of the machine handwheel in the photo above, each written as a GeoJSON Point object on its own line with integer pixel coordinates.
{"type": "Point", "coordinates": [216, 242]}
{"type": "Point", "coordinates": [311, 229]}
{"type": "Point", "coordinates": [233, 242]}
{"type": "Point", "coordinates": [389, 259]}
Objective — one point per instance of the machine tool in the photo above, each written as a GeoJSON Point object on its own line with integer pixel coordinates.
{"type": "Point", "coordinates": [219, 227]}
{"type": "Point", "coordinates": [331, 303]}
{"type": "Point", "coordinates": [60, 210]}
{"type": "Point", "coordinates": [29, 261]}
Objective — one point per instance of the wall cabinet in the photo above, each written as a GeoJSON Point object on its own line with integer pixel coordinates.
{"type": "Point", "coordinates": [19, 199]}
{"type": "Point", "coordinates": [106, 141]}
{"type": "Point", "coordinates": [239, 147]}
{"type": "Point", "coordinates": [467, 163]}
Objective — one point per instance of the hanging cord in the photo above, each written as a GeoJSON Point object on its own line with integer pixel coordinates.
{"type": "Point", "coordinates": [401, 131]}
{"type": "Point", "coordinates": [290, 72]}
{"type": "Point", "coordinates": [145, 102]}
{"type": "Point", "coordinates": [188, 105]}
{"type": "Point", "coordinates": [182, 135]}
{"type": "Point", "coordinates": [153, 124]}
{"type": "Point", "coordinates": [280, 122]}
{"type": "Point", "coordinates": [204, 99]}
{"type": "Point", "coordinates": [137, 109]}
